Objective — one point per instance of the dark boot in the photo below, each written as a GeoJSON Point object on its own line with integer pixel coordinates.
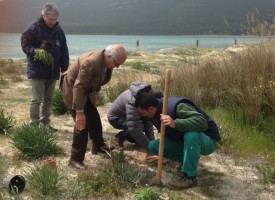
{"type": "Point", "coordinates": [76, 159]}
{"type": "Point", "coordinates": [100, 147]}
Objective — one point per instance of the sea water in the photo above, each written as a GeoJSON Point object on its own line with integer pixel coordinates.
{"type": "Point", "coordinates": [10, 46]}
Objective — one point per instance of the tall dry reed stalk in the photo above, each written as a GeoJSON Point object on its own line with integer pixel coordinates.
{"type": "Point", "coordinates": [244, 81]}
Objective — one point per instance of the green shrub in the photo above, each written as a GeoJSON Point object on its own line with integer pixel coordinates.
{"type": "Point", "coordinates": [148, 194]}
{"type": "Point", "coordinates": [97, 183]}
{"type": "Point", "coordinates": [114, 176]}
{"type": "Point", "coordinates": [130, 176]}
{"type": "Point", "coordinates": [35, 141]}
{"type": "Point", "coordinates": [44, 179]}
{"type": "Point", "coordinates": [141, 66]}
{"type": "Point", "coordinates": [268, 173]}
{"type": "Point", "coordinates": [58, 105]}
{"type": "Point", "coordinates": [6, 122]}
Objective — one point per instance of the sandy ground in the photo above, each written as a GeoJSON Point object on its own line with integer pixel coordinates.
{"type": "Point", "coordinates": [231, 178]}
{"type": "Point", "coordinates": [228, 177]}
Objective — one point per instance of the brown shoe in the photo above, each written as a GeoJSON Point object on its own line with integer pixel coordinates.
{"type": "Point", "coordinates": [101, 148]}
{"type": "Point", "coordinates": [75, 164]}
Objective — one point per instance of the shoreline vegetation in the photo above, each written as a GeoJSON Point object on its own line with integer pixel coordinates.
{"type": "Point", "coordinates": [237, 88]}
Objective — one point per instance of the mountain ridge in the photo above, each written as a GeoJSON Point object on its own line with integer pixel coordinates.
{"type": "Point", "coordinates": [139, 17]}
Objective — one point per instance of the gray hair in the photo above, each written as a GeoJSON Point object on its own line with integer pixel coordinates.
{"type": "Point", "coordinates": [49, 8]}
{"type": "Point", "coordinates": [110, 51]}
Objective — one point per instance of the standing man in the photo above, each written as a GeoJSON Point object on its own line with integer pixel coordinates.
{"type": "Point", "coordinates": [81, 82]}
{"type": "Point", "coordinates": [190, 133]}
{"type": "Point", "coordinates": [44, 33]}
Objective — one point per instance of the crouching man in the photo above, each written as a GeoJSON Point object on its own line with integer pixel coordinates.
{"type": "Point", "coordinates": [190, 133]}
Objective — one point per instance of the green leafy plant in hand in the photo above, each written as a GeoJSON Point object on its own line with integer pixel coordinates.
{"type": "Point", "coordinates": [44, 56]}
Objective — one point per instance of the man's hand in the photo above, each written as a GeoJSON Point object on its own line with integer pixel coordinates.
{"type": "Point", "coordinates": [167, 120]}
{"type": "Point", "coordinates": [80, 121]}
{"type": "Point", "coordinates": [152, 158]}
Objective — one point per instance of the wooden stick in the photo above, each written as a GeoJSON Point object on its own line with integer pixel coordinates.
{"type": "Point", "coordinates": [162, 130]}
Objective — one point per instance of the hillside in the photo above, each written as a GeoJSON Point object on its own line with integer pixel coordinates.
{"type": "Point", "coordinates": [128, 17]}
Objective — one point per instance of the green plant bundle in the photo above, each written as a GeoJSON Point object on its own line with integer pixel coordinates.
{"type": "Point", "coordinates": [44, 57]}
{"type": "Point", "coordinates": [36, 141]}
{"type": "Point", "coordinates": [6, 122]}
{"type": "Point", "coordinates": [45, 179]}
{"type": "Point", "coordinates": [58, 105]}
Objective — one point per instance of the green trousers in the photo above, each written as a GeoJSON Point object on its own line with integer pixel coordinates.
{"type": "Point", "coordinates": [187, 152]}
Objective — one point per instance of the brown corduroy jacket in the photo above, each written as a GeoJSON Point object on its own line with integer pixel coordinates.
{"type": "Point", "coordinates": [84, 79]}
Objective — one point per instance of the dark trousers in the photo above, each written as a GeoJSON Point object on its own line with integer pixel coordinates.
{"type": "Point", "coordinates": [121, 123]}
{"type": "Point", "coordinates": [93, 129]}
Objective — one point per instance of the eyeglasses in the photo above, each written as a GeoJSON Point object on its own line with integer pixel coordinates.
{"type": "Point", "coordinates": [116, 63]}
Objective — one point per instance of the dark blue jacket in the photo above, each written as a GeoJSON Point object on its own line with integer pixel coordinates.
{"type": "Point", "coordinates": [32, 37]}
{"type": "Point", "coordinates": [212, 130]}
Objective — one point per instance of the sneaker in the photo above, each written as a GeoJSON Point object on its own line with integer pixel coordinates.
{"type": "Point", "coordinates": [183, 182]}
{"type": "Point", "coordinates": [118, 142]}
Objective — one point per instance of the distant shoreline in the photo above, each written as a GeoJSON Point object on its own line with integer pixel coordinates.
{"type": "Point", "coordinates": [10, 46]}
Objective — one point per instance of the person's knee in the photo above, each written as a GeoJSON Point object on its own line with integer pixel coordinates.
{"type": "Point", "coordinates": [154, 147]}
{"type": "Point", "coordinates": [191, 136]}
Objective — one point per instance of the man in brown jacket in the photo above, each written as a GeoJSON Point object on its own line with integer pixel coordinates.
{"type": "Point", "coordinates": [80, 84]}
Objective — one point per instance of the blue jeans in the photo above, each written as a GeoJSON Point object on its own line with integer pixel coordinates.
{"type": "Point", "coordinates": [187, 152]}
{"type": "Point", "coordinates": [120, 123]}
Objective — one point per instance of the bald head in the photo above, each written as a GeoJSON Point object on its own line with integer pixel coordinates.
{"type": "Point", "coordinates": [117, 52]}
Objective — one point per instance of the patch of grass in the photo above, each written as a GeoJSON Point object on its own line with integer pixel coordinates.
{"type": "Point", "coordinates": [209, 187]}
{"type": "Point", "coordinates": [112, 178]}
{"type": "Point", "coordinates": [76, 191]}
{"type": "Point", "coordinates": [3, 83]}
{"type": "Point", "coordinates": [141, 66]}
{"type": "Point", "coordinates": [240, 139]}
{"type": "Point", "coordinates": [10, 66]}
{"type": "Point", "coordinates": [58, 105]}
{"type": "Point", "coordinates": [110, 93]}
{"type": "Point", "coordinates": [117, 157]}
{"type": "Point", "coordinates": [16, 78]}
{"type": "Point", "coordinates": [98, 182]}
{"type": "Point", "coordinates": [148, 194]}
{"type": "Point", "coordinates": [44, 179]}
{"type": "Point", "coordinates": [129, 176]}
{"type": "Point", "coordinates": [268, 173]}
{"type": "Point", "coordinates": [34, 141]}
{"type": "Point", "coordinates": [3, 166]}
{"type": "Point", "coordinates": [7, 122]}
